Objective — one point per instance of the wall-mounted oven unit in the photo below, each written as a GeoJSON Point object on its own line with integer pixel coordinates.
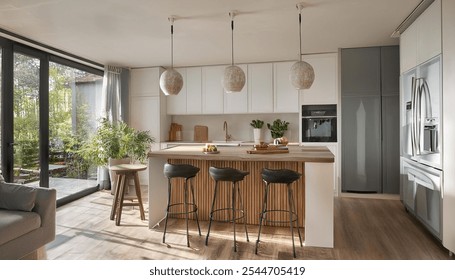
{"type": "Point", "coordinates": [319, 123]}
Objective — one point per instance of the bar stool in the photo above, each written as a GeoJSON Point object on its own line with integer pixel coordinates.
{"type": "Point", "coordinates": [280, 176]}
{"type": "Point", "coordinates": [123, 172]}
{"type": "Point", "coordinates": [234, 176]}
{"type": "Point", "coordinates": [188, 172]}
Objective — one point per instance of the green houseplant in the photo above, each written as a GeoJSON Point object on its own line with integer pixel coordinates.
{"type": "Point", "coordinates": [277, 128]}
{"type": "Point", "coordinates": [257, 123]}
{"type": "Point", "coordinates": [114, 144]}
{"type": "Point", "coordinates": [257, 130]}
{"type": "Point", "coordinates": [116, 141]}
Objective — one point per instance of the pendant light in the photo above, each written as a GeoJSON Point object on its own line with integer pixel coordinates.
{"type": "Point", "coordinates": [234, 77]}
{"type": "Point", "coordinates": [171, 81]}
{"type": "Point", "coordinates": [302, 73]}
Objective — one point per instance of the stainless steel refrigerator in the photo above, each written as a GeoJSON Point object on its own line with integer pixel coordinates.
{"type": "Point", "coordinates": [421, 146]}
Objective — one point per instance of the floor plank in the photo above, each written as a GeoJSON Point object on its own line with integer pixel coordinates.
{"type": "Point", "coordinates": [370, 229]}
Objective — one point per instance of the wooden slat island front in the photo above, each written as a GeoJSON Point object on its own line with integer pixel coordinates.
{"type": "Point", "coordinates": [313, 193]}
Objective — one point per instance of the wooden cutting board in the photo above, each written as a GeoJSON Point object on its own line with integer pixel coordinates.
{"type": "Point", "coordinates": [201, 133]}
{"type": "Point", "coordinates": [269, 151]}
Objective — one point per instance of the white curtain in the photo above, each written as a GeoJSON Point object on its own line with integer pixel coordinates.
{"type": "Point", "coordinates": [112, 105]}
{"type": "Point", "coordinates": [111, 110]}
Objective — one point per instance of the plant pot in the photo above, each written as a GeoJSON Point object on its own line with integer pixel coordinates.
{"type": "Point", "coordinates": [258, 135]}
{"type": "Point", "coordinates": [103, 177]}
{"type": "Point", "coordinates": [113, 177]}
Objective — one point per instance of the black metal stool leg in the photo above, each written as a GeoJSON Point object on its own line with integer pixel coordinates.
{"type": "Point", "coordinates": [211, 213]}
{"type": "Point", "coordinates": [195, 208]}
{"type": "Point", "coordinates": [185, 204]}
{"type": "Point", "coordinates": [233, 214]}
{"type": "Point", "coordinates": [167, 208]}
{"type": "Point", "coordinates": [290, 218]}
{"type": "Point", "coordinates": [243, 213]}
{"type": "Point", "coordinates": [261, 218]}
{"type": "Point", "coordinates": [296, 217]}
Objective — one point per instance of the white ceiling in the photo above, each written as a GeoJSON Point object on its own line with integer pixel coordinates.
{"type": "Point", "coordinates": [136, 33]}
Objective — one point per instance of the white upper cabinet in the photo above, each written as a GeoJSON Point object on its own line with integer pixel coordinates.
{"type": "Point", "coordinates": [422, 40]}
{"type": "Point", "coordinates": [429, 37]}
{"type": "Point", "coordinates": [194, 90]}
{"type": "Point", "coordinates": [325, 86]}
{"type": "Point", "coordinates": [260, 88]}
{"type": "Point", "coordinates": [267, 90]}
{"type": "Point", "coordinates": [145, 82]}
{"type": "Point", "coordinates": [176, 104]}
{"type": "Point", "coordinates": [212, 90]}
{"type": "Point", "coordinates": [286, 97]}
{"type": "Point", "coordinates": [237, 102]}
{"type": "Point", "coordinates": [408, 48]}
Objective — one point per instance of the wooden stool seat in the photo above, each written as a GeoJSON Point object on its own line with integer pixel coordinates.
{"type": "Point", "coordinates": [123, 171]}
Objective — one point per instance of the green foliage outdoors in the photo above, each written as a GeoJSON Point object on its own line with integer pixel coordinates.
{"type": "Point", "coordinates": [68, 117]}
{"type": "Point", "coordinates": [277, 128]}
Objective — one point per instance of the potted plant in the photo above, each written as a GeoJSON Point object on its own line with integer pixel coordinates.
{"type": "Point", "coordinates": [257, 130]}
{"type": "Point", "coordinates": [277, 128]}
{"type": "Point", "coordinates": [116, 143]}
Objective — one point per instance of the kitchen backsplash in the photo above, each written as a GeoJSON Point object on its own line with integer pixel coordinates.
{"type": "Point", "coordinates": [238, 125]}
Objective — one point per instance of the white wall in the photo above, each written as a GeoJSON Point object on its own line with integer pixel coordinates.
{"type": "Point", "coordinates": [238, 125]}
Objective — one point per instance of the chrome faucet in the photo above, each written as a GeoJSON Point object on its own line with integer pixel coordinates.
{"type": "Point", "coordinates": [227, 137]}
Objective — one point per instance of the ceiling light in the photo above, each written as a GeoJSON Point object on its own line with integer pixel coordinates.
{"type": "Point", "coordinates": [302, 73]}
{"type": "Point", "coordinates": [171, 81]}
{"type": "Point", "coordinates": [234, 77]}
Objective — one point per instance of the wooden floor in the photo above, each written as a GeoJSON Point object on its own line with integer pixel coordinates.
{"type": "Point", "coordinates": [370, 229]}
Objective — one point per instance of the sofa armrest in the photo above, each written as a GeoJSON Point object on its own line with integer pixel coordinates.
{"type": "Point", "coordinates": [45, 206]}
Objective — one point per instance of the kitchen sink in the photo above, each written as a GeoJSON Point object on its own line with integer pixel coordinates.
{"type": "Point", "coordinates": [226, 143]}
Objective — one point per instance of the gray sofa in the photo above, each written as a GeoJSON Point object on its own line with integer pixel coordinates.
{"type": "Point", "coordinates": [27, 220]}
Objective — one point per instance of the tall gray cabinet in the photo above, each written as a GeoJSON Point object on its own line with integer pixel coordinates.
{"type": "Point", "coordinates": [370, 120]}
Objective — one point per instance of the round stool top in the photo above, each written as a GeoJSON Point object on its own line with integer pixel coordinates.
{"type": "Point", "coordinates": [284, 176]}
{"type": "Point", "coordinates": [128, 167]}
{"type": "Point", "coordinates": [227, 174]}
{"type": "Point", "coordinates": [180, 170]}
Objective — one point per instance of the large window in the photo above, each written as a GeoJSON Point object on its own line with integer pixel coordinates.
{"type": "Point", "coordinates": [48, 106]}
{"type": "Point", "coordinates": [74, 108]}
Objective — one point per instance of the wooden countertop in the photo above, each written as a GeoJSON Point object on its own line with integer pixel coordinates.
{"type": "Point", "coordinates": [296, 153]}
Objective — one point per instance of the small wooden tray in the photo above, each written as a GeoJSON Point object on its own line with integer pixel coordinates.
{"type": "Point", "coordinates": [269, 151]}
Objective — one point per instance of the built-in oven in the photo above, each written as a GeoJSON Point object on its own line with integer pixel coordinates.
{"type": "Point", "coordinates": [319, 123]}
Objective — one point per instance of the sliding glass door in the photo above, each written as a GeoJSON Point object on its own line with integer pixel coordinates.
{"type": "Point", "coordinates": [74, 108]}
{"type": "Point", "coordinates": [26, 121]}
{"type": "Point", "coordinates": [49, 105]}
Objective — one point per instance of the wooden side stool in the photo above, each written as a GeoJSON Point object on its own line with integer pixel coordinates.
{"type": "Point", "coordinates": [123, 171]}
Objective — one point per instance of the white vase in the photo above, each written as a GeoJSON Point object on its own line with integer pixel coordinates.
{"type": "Point", "coordinates": [258, 135]}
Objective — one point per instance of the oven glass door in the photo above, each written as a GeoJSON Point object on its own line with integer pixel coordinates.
{"type": "Point", "coordinates": [319, 129]}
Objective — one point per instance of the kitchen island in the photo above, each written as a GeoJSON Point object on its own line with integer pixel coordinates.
{"type": "Point", "coordinates": [313, 193]}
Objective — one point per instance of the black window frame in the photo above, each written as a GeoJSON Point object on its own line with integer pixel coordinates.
{"type": "Point", "coordinates": [9, 48]}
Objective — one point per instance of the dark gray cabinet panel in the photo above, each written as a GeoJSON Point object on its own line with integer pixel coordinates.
{"type": "Point", "coordinates": [361, 72]}
{"type": "Point", "coordinates": [361, 144]}
{"type": "Point", "coordinates": [390, 69]}
{"type": "Point", "coordinates": [370, 120]}
{"type": "Point", "coordinates": [391, 144]}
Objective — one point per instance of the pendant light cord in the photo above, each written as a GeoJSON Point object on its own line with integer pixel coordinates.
{"type": "Point", "coordinates": [232, 41]}
{"type": "Point", "coordinates": [172, 45]}
{"type": "Point", "coordinates": [300, 35]}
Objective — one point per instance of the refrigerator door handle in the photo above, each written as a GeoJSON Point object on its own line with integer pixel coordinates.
{"type": "Point", "coordinates": [413, 85]}
{"type": "Point", "coordinates": [415, 117]}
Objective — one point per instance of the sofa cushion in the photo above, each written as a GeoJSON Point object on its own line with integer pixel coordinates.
{"type": "Point", "coordinates": [17, 223]}
{"type": "Point", "coordinates": [17, 197]}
